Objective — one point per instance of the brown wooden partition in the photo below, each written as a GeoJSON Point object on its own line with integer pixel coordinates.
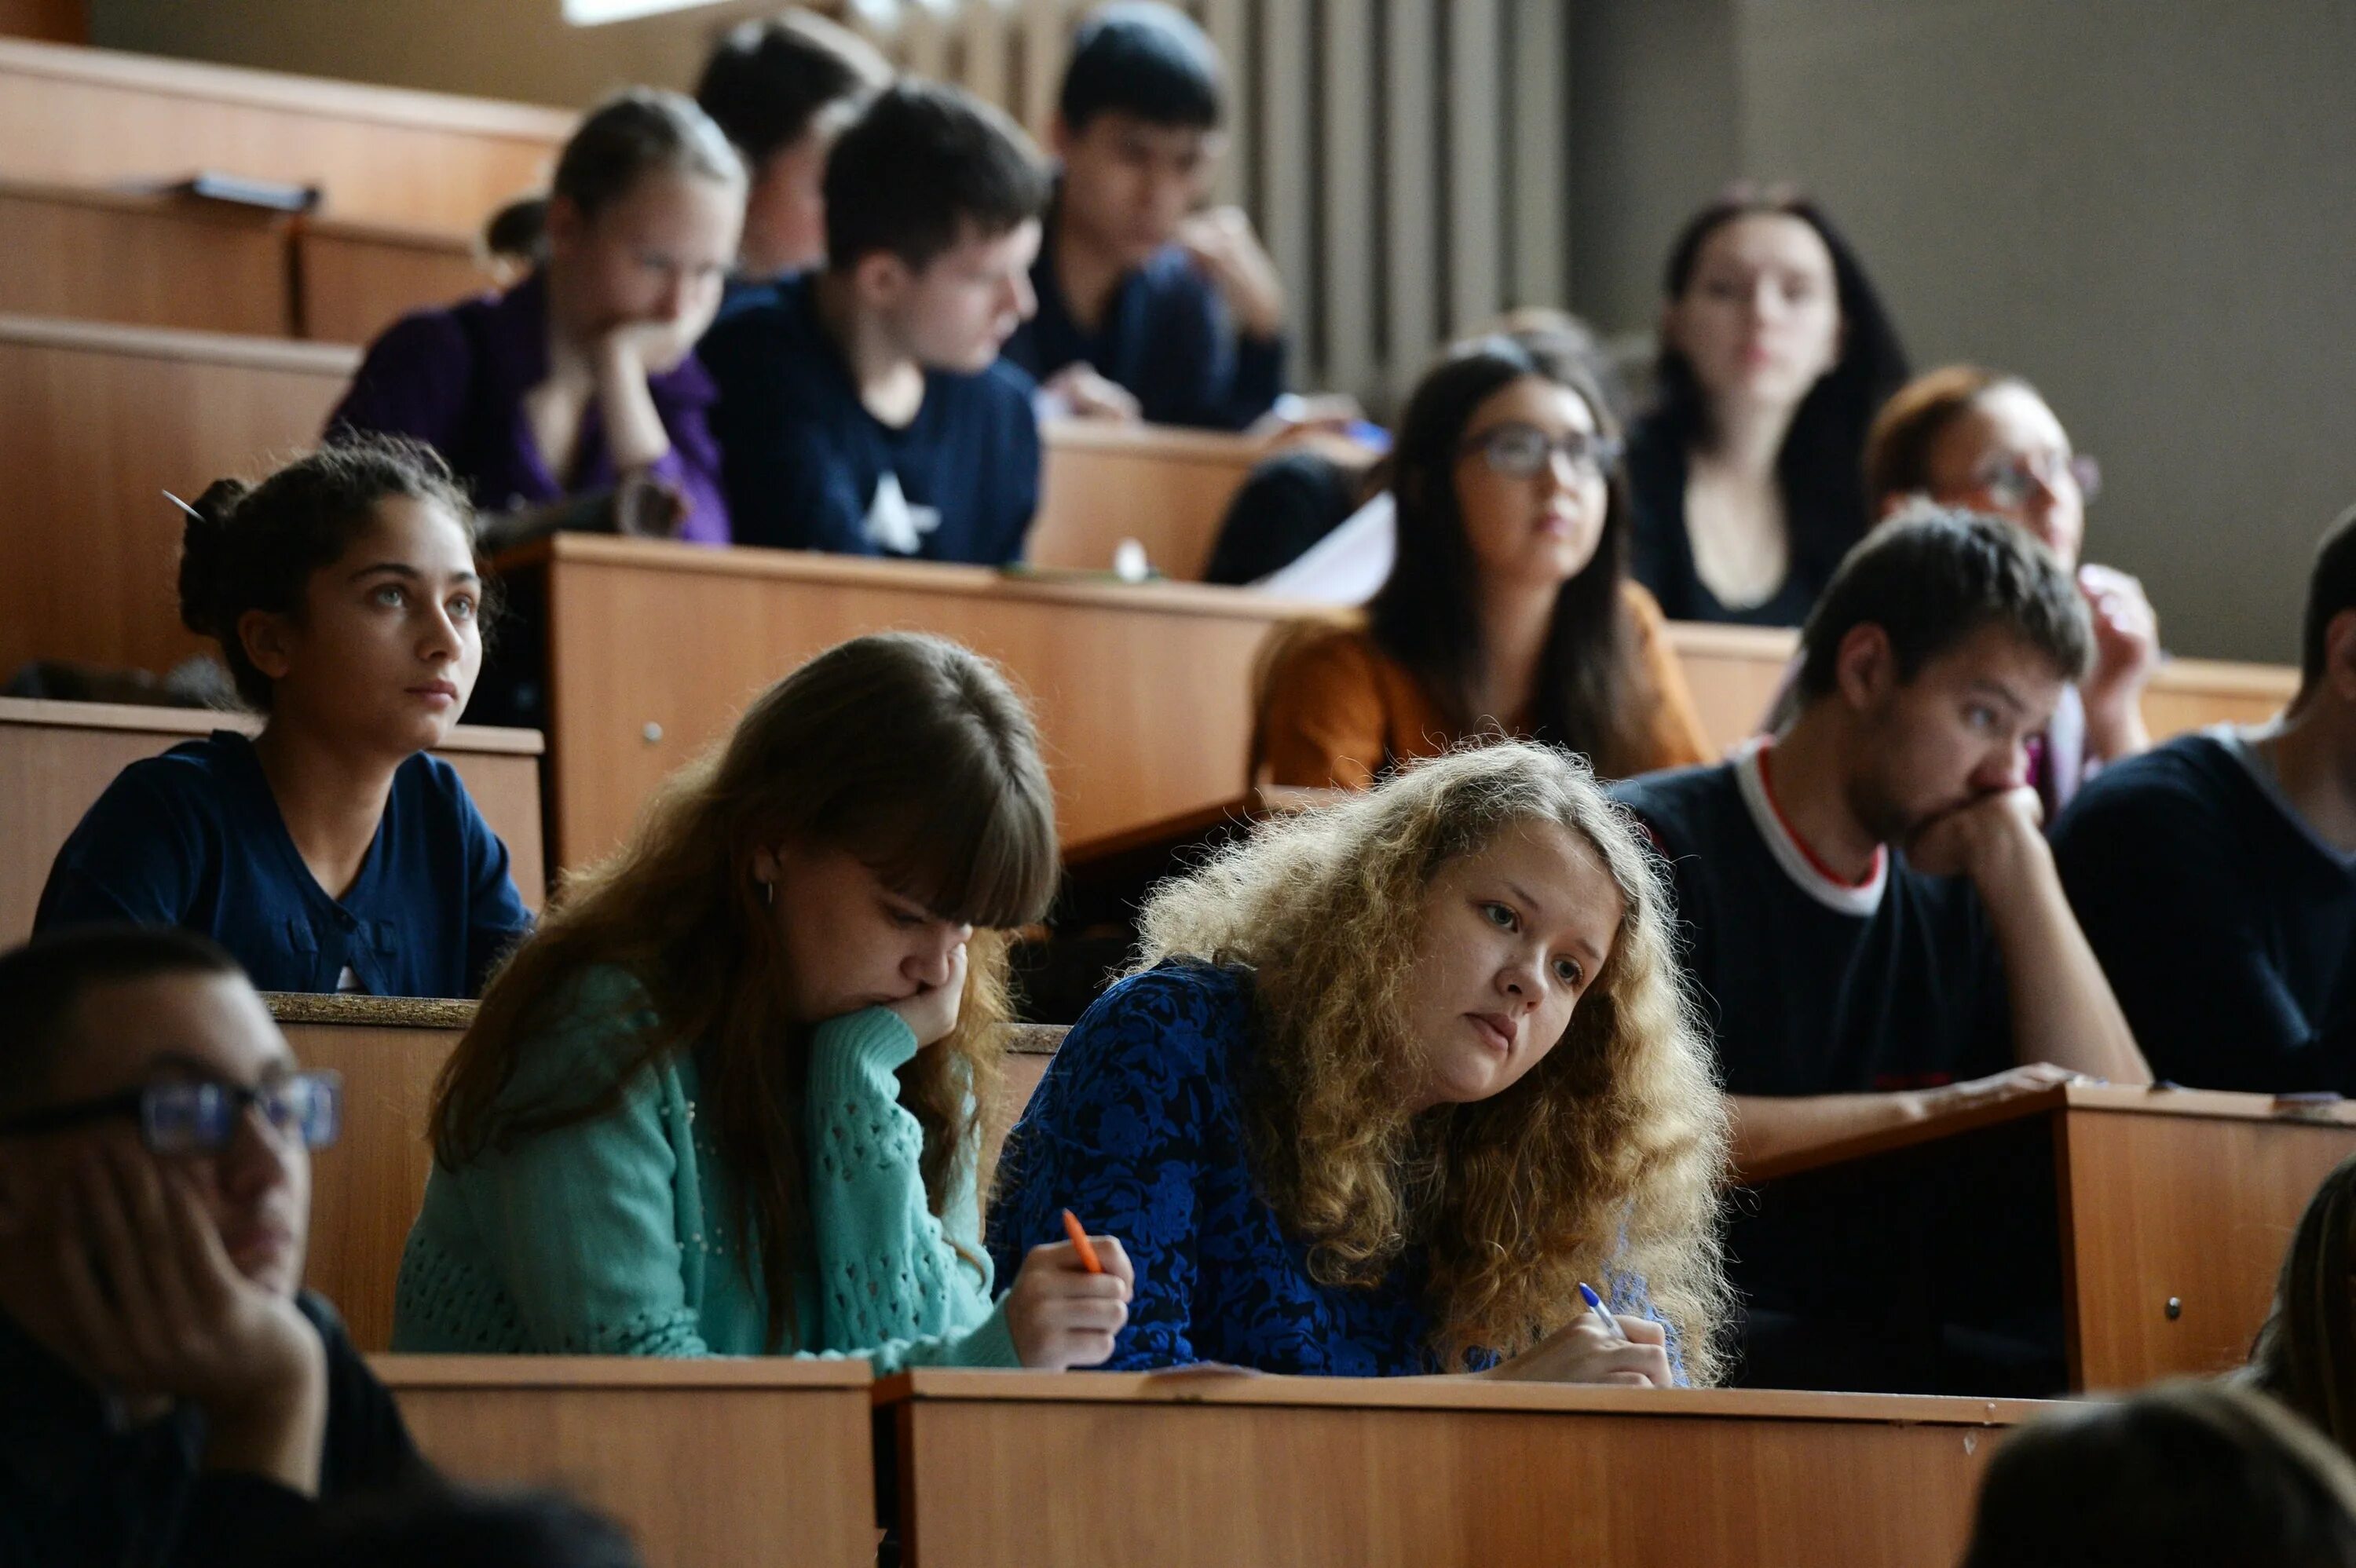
{"type": "Point", "coordinates": [86, 116]}
{"type": "Point", "coordinates": [1144, 694]}
{"type": "Point", "coordinates": [2171, 1208]}
{"type": "Point", "coordinates": [96, 422]}
{"type": "Point", "coordinates": [1203, 1470]}
{"type": "Point", "coordinates": [758, 1463]}
{"type": "Point", "coordinates": [354, 280]}
{"type": "Point", "coordinates": [1101, 483]}
{"type": "Point", "coordinates": [143, 259]}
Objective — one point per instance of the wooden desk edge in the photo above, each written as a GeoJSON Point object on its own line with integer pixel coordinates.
{"type": "Point", "coordinates": [947, 1385]}
{"type": "Point", "coordinates": [370, 1012]}
{"type": "Point", "coordinates": [2210, 1105]}
{"type": "Point", "coordinates": [908, 576]}
{"type": "Point", "coordinates": [407, 1371]}
{"type": "Point", "coordinates": [467, 739]}
{"type": "Point", "coordinates": [163, 342]}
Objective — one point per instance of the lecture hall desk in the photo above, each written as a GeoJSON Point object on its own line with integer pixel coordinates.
{"type": "Point", "coordinates": [1142, 692]}
{"type": "Point", "coordinates": [2170, 1208]}
{"type": "Point", "coordinates": [713, 1464]}
{"type": "Point", "coordinates": [1014, 1470]}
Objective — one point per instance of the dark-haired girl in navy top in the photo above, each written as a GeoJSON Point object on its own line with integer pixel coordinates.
{"type": "Point", "coordinates": [328, 853]}
{"type": "Point", "coordinates": [1398, 1076]}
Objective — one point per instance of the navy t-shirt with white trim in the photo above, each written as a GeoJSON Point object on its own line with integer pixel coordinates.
{"type": "Point", "coordinates": [2227, 927]}
{"type": "Point", "coordinates": [806, 466]}
{"type": "Point", "coordinates": [194, 838]}
{"type": "Point", "coordinates": [1811, 986]}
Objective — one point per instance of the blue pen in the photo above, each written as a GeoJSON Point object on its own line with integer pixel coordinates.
{"type": "Point", "coordinates": [1595, 1305]}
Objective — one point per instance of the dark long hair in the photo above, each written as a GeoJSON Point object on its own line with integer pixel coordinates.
{"type": "Point", "coordinates": [1426, 615]}
{"type": "Point", "coordinates": [2306, 1354]}
{"type": "Point", "coordinates": [908, 751]}
{"type": "Point", "coordinates": [1818, 469]}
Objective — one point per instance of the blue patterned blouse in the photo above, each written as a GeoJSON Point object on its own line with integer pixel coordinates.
{"type": "Point", "coordinates": [1138, 1128]}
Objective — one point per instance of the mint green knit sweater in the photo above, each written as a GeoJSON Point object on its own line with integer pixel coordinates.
{"type": "Point", "coordinates": [624, 1235]}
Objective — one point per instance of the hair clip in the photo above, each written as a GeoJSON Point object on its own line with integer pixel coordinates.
{"type": "Point", "coordinates": [184, 506]}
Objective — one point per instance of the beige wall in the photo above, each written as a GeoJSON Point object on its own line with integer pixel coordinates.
{"type": "Point", "coordinates": [2149, 208]}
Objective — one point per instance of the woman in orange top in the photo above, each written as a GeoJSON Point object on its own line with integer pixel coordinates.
{"type": "Point", "coordinates": [1509, 608]}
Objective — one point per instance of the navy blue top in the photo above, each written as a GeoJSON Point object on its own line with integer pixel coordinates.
{"type": "Point", "coordinates": [2226, 927]}
{"type": "Point", "coordinates": [1138, 1128]}
{"type": "Point", "coordinates": [1165, 337]}
{"type": "Point", "coordinates": [808, 467]}
{"type": "Point", "coordinates": [194, 838]}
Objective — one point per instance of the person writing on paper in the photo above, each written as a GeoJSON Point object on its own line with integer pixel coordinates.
{"type": "Point", "coordinates": [580, 383]}
{"type": "Point", "coordinates": [1962, 436]}
{"type": "Point", "coordinates": [727, 1102]}
{"type": "Point", "coordinates": [1508, 608]}
{"type": "Point", "coordinates": [1389, 1081]}
{"type": "Point", "coordinates": [174, 1398]}
{"type": "Point", "coordinates": [330, 852]}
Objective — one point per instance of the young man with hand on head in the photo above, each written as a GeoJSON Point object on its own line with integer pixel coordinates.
{"type": "Point", "coordinates": [864, 408]}
{"type": "Point", "coordinates": [783, 88]}
{"type": "Point", "coordinates": [1148, 309]}
{"type": "Point", "coordinates": [1869, 907]}
{"type": "Point", "coordinates": [2227, 859]}
{"type": "Point", "coordinates": [172, 1397]}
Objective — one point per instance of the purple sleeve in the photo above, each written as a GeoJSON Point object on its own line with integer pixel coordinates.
{"type": "Point", "coordinates": [414, 382]}
{"type": "Point", "coordinates": [691, 467]}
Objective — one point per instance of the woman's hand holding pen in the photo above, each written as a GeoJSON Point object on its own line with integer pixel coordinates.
{"type": "Point", "coordinates": [1062, 1312]}
{"type": "Point", "coordinates": [1596, 1346]}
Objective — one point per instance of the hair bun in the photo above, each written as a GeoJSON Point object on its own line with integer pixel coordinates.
{"type": "Point", "coordinates": [204, 544]}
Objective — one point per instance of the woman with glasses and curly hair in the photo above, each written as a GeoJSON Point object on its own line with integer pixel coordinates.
{"type": "Point", "coordinates": [1393, 1080]}
{"type": "Point", "coordinates": [1509, 608]}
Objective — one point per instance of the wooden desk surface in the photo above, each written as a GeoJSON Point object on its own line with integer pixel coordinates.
{"type": "Point", "coordinates": [721, 1462]}
{"type": "Point", "coordinates": [1142, 692]}
{"type": "Point", "coordinates": [1014, 1467]}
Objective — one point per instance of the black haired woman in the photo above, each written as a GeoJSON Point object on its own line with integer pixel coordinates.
{"type": "Point", "coordinates": [1775, 353]}
{"type": "Point", "coordinates": [329, 852]}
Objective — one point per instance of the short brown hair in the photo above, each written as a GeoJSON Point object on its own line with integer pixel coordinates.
{"type": "Point", "coordinates": [1898, 445]}
{"type": "Point", "coordinates": [770, 77]}
{"type": "Point", "coordinates": [1934, 577]}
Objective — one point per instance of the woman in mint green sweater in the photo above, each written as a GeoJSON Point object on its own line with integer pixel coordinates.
{"type": "Point", "coordinates": [724, 1101]}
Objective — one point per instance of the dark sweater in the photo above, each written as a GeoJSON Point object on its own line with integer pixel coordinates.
{"type": "Point", "coordinates": [76, 1488]}
{"type": "Point", "coordinates": [2226, 927]}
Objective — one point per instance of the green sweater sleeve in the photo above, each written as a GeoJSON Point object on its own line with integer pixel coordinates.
{"type": "Point", "coordinates": [898, 1283]}
{"type": "Point", "coordinates": [586, 1220]}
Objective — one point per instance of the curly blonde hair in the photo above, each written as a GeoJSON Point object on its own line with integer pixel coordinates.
{"type": "Point", "coordinates": [1610, 1151]}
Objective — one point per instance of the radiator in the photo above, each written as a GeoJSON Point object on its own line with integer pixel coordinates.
{"type": "Point", "coordinates": [1406, 161]}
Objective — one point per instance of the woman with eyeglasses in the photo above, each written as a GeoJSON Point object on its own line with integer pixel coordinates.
{"type": "Point", "coordinates": [1508, 610]}
{"type": "Point", "coordinates": [1963, 436]}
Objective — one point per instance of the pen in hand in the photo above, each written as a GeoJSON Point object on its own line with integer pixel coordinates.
{"type": "Point", "coordinates": [1081, 1244]}
{"type": "Point", "coordinates": [1603, 1314]}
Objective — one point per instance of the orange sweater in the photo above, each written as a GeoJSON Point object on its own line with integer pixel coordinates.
{"type": "Point", "coordinates": [1335, 711]}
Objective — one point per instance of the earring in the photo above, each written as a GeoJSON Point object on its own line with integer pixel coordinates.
{"type": "Point", "coordinates": [770, 895]}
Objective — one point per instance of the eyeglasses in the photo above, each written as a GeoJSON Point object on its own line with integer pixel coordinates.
{"type": "Point", "coordinates": [2011, 482]}
{"type": "Point", "coordinates": [201, 1118]}
{"type": "Point", "coordinates": [1518, 451]}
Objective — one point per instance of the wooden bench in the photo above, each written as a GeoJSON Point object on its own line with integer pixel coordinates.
{"type": "Point", "coordinates": [353, 280]}
{"type": "Point", "coordinates": [1144, 694]}
{"type": "Point", "coordinates": [711, 1462]}
{"type": "Point", "coordinates": [56, 758]}
{"type": "Point", "coordinates": [2171, 1209]}
{"type": "Point", "coordinates": [96, 422]}
{"type": "Point", "coordinates": [93, 117]}
{"type": "Point", "coordinates": [1736, 671]}
{"type": "Point", "coordinates": [1200, 1470]}
{"type": "Point", "coordinates": [366, 1189]}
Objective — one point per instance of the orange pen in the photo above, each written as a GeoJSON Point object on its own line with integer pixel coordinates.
{"type": "Point", "coordinates": [1081, 1244]}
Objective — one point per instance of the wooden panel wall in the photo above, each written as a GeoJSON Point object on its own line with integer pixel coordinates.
{"type": "Point", "coordinates": [352, 281]}
{"type": "Point", "coordinates": [142, 260]}
{"type": "Point", "coordinates": [1167, 489]}
{"type": "Point", "coordinates": [95, 116]}
{"type": "Point", "coordinates": [95, 422]}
